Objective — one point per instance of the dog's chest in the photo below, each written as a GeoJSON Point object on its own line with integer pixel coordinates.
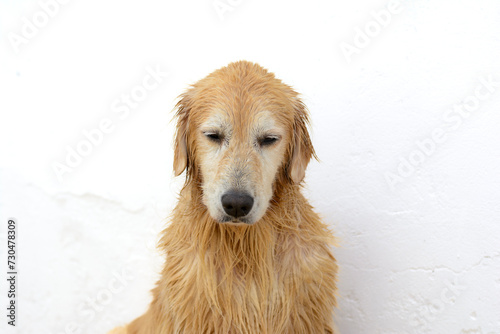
{"type": "Point", "coordinates": [231, 296]}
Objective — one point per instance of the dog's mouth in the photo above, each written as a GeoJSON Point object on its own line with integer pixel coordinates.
{"type": "Point", "coordinates": [235, 221]}
{"type": "Point", "coordinates": [240, 221]}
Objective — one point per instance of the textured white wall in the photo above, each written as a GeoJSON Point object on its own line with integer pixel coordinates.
{"type": "Point", "coordinates": [409, 175]}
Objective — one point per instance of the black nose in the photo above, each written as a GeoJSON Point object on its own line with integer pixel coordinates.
{"type": "Point", "coordinates": [237, 204]}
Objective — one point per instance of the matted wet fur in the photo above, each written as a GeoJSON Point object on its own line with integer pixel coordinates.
{"type": "Point", "coordinates": [268, 270]}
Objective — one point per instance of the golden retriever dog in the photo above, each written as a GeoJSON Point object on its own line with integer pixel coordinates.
{"type": "Point", "coordinates": [245, 252]}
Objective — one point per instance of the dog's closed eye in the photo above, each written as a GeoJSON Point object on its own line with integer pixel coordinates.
{"type": "Point", "coordinates": [268, 140]}
{"type": "Point", "coordinates": [216, 137]}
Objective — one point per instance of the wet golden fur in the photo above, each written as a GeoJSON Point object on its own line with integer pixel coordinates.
{"type": "Point", "coordinates": [272, 275]}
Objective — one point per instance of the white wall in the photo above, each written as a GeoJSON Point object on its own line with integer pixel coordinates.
{"type": "Point", "coordinates": [408, 180]}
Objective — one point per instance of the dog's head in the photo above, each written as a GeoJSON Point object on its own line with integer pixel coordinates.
{"type": "Point", "coordinates": [241, 134]}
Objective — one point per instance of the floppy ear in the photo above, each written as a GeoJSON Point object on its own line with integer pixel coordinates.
{"type": "Point", "coordinates": [302, 149]}
{"type": "Point", "coordinates": [180, 141]}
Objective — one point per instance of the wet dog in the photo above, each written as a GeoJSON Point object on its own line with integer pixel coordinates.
{"type": "Point", "coordinates": [245, 252]}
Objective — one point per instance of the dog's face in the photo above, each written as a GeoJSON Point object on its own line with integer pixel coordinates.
{"type": "Point", "coordinates": [240, 132]}
{"type": "Point", "coordinates": [239, 156]}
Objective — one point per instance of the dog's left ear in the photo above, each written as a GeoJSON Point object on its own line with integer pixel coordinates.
{"type": "Point", "coordinates": [180, 141]}
{"type": "Point", "coordinates": [302, 150]}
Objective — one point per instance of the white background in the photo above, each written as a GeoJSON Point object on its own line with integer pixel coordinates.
{"type": "Point", "coordinates": [416, 211]}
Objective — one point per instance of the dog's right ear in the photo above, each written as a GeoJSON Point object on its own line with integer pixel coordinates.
{"type": "Point", "coordinates": [180, 141]}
